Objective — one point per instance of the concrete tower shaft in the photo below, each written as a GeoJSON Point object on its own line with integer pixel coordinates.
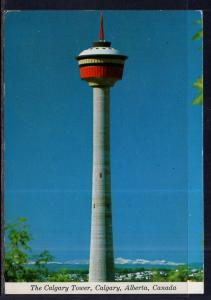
{"type": "Point", "coordinates": [101, 250]}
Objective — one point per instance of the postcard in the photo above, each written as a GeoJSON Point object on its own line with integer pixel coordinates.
{"type": "Point", "coordinates": [103, 185]}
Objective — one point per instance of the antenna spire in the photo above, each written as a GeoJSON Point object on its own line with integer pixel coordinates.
{"type": "Point", "coordinates": [101, 33]}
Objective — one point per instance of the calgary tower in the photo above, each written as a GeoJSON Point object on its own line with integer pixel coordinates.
{"type": "Point", "coordinates": [101, 66]}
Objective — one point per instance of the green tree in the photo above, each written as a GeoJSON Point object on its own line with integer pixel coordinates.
{"type": "Point", "coordinates": [16, 250]}
{"type": "Point", "coordinates": [41, 261]}
{"type": "Point", "coordinates": [157, 276]}
{"type": "Point", "coordinates": [17, 255]}
{"type": "Point", "coordinates": [61, 276]}
{"type": "Point", "coordinates": [198, 84]}
{"type": "Point", "coordinates": [179, 275]}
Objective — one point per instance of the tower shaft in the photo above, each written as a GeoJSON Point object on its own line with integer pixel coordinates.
{"type": "Point", "coordinates": [101, 266]}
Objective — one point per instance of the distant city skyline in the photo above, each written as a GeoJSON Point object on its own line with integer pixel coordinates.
{"type": "Point", "coordinates": [156, 133]}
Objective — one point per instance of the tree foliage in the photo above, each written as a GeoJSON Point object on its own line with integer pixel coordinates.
{"type": "Point", "coordinates": [198, 84]}
{"type": "Point", "coordinates": [17, 255]}
{"type": "Point", "coordinates": [180, 275]}
{"type": "Point", "coordinates": [16, 250]}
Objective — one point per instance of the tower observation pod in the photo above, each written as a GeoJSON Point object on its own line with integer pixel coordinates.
{"type": "Point", "coordinates": [101, 66]}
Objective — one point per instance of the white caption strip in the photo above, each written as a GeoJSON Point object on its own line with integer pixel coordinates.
{"type": "Point", "coordinates": [104, 288]}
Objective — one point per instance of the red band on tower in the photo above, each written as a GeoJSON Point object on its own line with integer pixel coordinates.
{"type": "Point", "coordinates": [87, 72]}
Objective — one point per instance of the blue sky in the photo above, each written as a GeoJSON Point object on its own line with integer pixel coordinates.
{"type": "Point", "coordinates": [156, 140]}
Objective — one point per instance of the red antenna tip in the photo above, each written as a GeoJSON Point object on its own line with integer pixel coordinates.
{"type": "Point", "coordinates": [101, 34]}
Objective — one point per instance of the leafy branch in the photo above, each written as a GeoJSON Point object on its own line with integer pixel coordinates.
{"type": "Point", "coordinates": [17, 255]}
{"type": "Point", "coordinates": [198, 84]}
